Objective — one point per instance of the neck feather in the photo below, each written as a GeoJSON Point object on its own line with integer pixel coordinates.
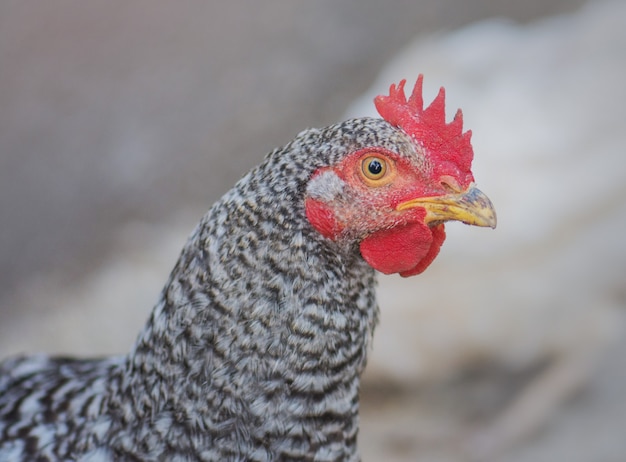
{"type": "Point", "coordinates": [260, 334]}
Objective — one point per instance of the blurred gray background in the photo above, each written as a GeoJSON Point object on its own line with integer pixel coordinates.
{"type": "Point", "coordinates": [118, 110]}
{"type": "Point", "coordinates": [122, 122]}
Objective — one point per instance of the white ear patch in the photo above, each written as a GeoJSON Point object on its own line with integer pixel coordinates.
{"type": "Point", "coordinates": [325, 186]}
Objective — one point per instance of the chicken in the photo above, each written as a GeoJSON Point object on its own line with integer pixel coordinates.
{"type": "Point", "coordinates": [255, 347]}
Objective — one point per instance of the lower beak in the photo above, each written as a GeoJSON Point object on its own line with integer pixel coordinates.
{"type": "Point", "coordinates": [472, 207]}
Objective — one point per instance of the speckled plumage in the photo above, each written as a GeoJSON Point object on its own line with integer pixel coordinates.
{"type": "Point", "coordinates": [253, 350]}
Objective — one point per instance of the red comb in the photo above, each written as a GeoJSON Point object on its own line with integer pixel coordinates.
{"type": "Point", "coordinates": [446, 145]}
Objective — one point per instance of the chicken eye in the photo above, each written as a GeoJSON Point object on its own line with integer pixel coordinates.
{"type": "Point", "coordinates": [374, 168]}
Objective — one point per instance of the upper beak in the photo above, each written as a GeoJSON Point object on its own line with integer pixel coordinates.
{"type": "Point", "coordinates": [472, 207]}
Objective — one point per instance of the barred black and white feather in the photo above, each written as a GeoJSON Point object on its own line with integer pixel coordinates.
{"type": "Point", "coordinates": [253, 351]}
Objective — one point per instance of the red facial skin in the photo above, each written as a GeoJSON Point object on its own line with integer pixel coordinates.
{"type": "Point", "coordinates": [391, 241]}
{"type": "Point", "coordinates": [394, 241]}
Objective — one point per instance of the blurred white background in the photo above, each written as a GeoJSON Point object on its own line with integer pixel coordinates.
{"type": "Point", "coordinates": [121, 122]}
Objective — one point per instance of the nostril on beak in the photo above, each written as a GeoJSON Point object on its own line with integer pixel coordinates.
{"type": "Point", "coordinates": [450, 183]}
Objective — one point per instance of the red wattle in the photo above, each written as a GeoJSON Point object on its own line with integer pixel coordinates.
{"type": "Point", "coordinates": [438, 236]}
{"type": "Point", "coordinates": [407, 249]}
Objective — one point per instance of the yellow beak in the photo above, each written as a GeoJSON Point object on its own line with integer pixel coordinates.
{"type": "Point", "coordinates": [472, 207]}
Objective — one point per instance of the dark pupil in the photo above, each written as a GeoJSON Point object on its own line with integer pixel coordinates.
{"type": "Point", "coordinates": [375, 167]}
